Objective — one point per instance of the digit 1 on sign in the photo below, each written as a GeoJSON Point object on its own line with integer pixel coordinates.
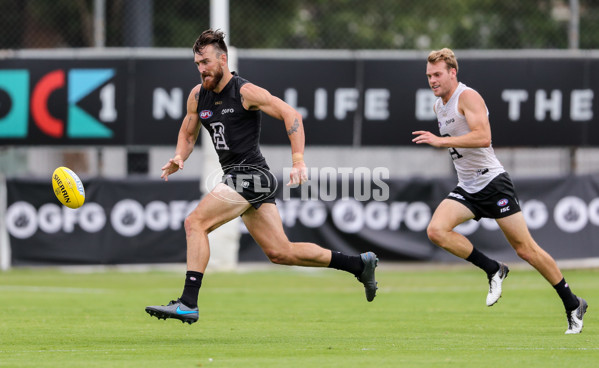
{"type": "Point", "coordinates": [108, 111]}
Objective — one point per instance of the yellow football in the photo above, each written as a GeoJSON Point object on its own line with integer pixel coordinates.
{"type": "Point", "coordinates": [68, 187]}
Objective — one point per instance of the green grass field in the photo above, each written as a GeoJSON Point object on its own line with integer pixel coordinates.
{"type": "Point", "coordinates": [290, 318]}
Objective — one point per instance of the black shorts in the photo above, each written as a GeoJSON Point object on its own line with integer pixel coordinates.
{"type": "Point", "coordinates": [255, 183]}
{"type": "Point", "coordinates": [498, 199]}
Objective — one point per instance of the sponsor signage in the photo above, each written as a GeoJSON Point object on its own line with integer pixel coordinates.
{"type": "Point", "coordinates": [137, 221]}
{"type": "Point", "coordinates": [370, 102]}
{"type": "Point", "coordinates": [161, 88]}
{"type": "Point", "coordinates": [133, 221]}
{"type": "Point", "coordinates": [56, 102]}
{"type": "Point", "coordinates": [562, 215]}
{"type": "Point", "coordinates": [351, 102]}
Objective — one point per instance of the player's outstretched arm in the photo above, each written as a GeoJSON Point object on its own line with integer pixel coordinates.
{"type": "Point", "coordinates": [257, 98]}
{"type": "Point", "coordinates": [188, 135]}
{"type": "Point", "coordinates": [473, 107]}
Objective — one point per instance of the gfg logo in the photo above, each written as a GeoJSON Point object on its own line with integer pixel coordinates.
{"type": "Point", "coordinates": [128, 217]}
{"type": "Point", "coordinates": [18, 97]}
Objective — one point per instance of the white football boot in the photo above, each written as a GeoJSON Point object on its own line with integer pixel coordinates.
{"type": "Point", "coordinates": [495, 282]}
{"type": "Point", "coordinates": [575, 317]}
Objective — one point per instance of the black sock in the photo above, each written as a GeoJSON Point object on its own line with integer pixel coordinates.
{"type": "Point", "coordinates": [568, 298]}
{"type": "Point", "coordinates": [351, 264]}
{"type": "Point", "coordinates": [193, 281]}
{"type": "Point", "coordinates": [481, 261]}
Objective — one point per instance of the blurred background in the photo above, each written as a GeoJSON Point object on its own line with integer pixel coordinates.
{"type": "Point", "coordinates": [305, 24]}
{"type": "Point", "coordinates": [311, 25]}
{"type": "Point", "coordinates": [514, 52]}
{"type": "Point", "coordinates": [108, 25]}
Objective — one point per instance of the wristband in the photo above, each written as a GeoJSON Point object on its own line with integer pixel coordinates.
{"type": "Point", "coordinates": [297, 157]}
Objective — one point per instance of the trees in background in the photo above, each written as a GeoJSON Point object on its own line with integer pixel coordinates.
{"type": "Point", "coordinates": [310, 24]}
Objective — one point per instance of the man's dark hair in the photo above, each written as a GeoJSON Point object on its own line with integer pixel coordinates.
{"type": "Point", "coordinates": [216, 38]}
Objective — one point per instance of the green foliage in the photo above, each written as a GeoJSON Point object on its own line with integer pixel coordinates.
{"type": "Point", "coordinates": [311, 24]}
{"type": "Point", "coordinates": [288, 318]}
{"type": "Point", "coordinates": [589, 14]}
{"type": "Point", "coordinates": [11, 17]}
{"type": "Point", "coordinates": [392, 24]}
{"type": "Point", "coordinates": [177, 23]}
{"type": "Point", "coordinates": [261, 24]}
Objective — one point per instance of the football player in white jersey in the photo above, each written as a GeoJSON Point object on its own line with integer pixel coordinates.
{"type": "Point", "coordinates": [484, 188]}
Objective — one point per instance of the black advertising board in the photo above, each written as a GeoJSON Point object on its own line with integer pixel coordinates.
{"type": "Point", "coordinates": [128, 221]}
{"type": "Point", "coordinates": [531, 101]}
{"type": "Point", "coordinates": [141, 221]}
{"type": "Point", "coordinates": [562, 215]}
{"type": "Point", "coordinates": [400, 108]}
{"type": "Point", "coordinates": [161, 91]}
{"type": "Point", "coordinates": [538, 102]}
{"type": "Point", "coordinates": [353, 101]}
{"type": "Point", "coordinates": [311, 86]}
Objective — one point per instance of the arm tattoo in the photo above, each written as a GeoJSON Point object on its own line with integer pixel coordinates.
{"type": "Point", "coordinates": [188, 123]}
{"type": "Point", "coordinates": [294, 127]}
{"type": "Point", "coordinates": [188, 127]}
{"type": "Point", "coordinates": [197, 96]}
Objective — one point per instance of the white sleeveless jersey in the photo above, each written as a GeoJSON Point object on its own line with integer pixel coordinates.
{"type": "Point", "coordinates": [476, 167]}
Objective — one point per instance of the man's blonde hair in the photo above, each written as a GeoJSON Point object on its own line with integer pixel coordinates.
{"type": "Point", "coordinates": [445, 55]}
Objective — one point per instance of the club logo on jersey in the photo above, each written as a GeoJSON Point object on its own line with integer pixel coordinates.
{"type": "Point", "coordinates": [480, 172]}
{"type": "Point", "coordinates": [218, 136]}
{"type": "Point", "coordinates": [449, 121]}
{"type": "Point", "coordinates": [456, 195]}
{"type": "Point", "coordinates": [502, 202]}
{"type": "Point", "coordinates": [205, 114]}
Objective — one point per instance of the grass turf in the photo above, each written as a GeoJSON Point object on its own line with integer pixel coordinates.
{"type": "Point", "coordinates": [291, 318]}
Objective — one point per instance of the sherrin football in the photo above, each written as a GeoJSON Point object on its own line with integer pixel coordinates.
{"type": "Point", "coordinates": [68, 187]}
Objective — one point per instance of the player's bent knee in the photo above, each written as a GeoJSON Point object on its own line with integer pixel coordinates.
{"type": "Point", "coordinates": [277, 257]}
{"type": "Point", "coordinates": [526, 253]}
{"type": "Point", "coordinates": [435, 234]}
{"type": "Point", "coordinates": [193, 223]}
{"type": "Point", "coordinates": [524, 249]}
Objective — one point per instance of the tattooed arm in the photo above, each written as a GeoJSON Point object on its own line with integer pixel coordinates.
{"type": "Point", "coordinates": [188, 135]}
{"type": "Point", "coordinates": [257, 98]}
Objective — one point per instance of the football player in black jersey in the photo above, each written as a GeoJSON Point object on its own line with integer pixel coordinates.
{"type": "Point", "coordinates": [229, 107]}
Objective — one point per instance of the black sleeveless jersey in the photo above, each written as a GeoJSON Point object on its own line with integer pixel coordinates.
{"type": "Point", "coordinates": [235, 131]}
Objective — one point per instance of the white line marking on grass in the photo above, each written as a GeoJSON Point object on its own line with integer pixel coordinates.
{"type": "Point", "coordinates": [64, 351]}
{"type": "Point", "coordinates": [51, 289]}
{"type": "Point", "coordinates": [455, 288]}
{"type": "Point", "coordinates": [500, 349]}
{"type": "Point", "coordinates": [551, 348]}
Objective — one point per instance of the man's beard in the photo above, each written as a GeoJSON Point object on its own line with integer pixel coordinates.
{"type": "Point", "coordinates": [216, 78]}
